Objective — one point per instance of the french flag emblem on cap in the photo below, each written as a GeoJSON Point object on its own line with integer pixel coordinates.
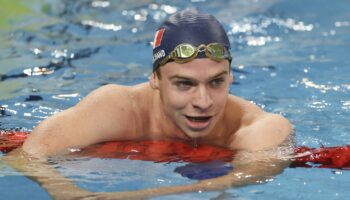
{"type": "Point", "coordinates": [158, 38]}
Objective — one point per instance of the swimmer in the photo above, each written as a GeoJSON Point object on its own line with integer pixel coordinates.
{"type": "Point", "coordinates": [187, 98]}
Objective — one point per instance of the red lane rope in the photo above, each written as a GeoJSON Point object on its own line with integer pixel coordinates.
{"type": "Point", "coordinates": [158, 151]}
{"type": "Point", "coordinates": [11, 139]}
{"type": "Point", "coordinates": [325, 157]}
{"type": "Point", "coordinates": [176, 151]}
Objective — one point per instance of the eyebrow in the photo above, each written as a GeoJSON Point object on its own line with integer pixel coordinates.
{"type": "Point", "coordinates": [189, 78]}
{"type": "Point", "coordinates": [220, 74]}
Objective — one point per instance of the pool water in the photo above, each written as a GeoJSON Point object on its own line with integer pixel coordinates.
{"type": "Point", "coordinates": [290, 57]}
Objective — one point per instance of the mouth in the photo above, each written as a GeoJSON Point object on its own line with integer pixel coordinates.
{"type": "Point", "coordinates": [198, 119]}
{"type": "Point", "coordinates": [198, 123]}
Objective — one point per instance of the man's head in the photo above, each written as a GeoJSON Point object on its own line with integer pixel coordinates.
{"type": "Point", "coordinates": [190, 34]}
{"type": "Point", "coordinates": [193, 90]}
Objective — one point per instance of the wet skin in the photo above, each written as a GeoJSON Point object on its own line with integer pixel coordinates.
{"type": "Point", "coordinates": [194, 94]}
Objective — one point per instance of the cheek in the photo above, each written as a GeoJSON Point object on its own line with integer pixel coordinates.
{"type": "Point", "coordinates": [172, 99]}
{"type": "Point", "coordinates": [220, 98]}
{"type": "Point", "coordinates": [175, 100]}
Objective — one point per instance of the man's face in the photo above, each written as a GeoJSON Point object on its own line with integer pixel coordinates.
{"type": "Point", "coordinates": [194, 94]}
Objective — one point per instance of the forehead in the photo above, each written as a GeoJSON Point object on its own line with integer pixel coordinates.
{"type": "Point", "coordinates": [203, 68]}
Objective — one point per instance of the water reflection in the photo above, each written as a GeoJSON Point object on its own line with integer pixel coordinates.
{"type": "Point", "coordinates": [324, 87]}
{"type": "Point", "coordinates": [346, 105]}
{"type": "Point", "coordinates": [101, 4]}
{"type": "Point", "coordinates": [342, 24]}
{"type": "Point", "coordinates": [100, 25]}
{"type": "Point", "coordinates": [257, 31]}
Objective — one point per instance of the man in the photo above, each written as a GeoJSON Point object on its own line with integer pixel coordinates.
{"type": "Point", "coordinates": [186, 98]}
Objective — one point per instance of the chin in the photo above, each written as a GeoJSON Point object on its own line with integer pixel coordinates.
{"type": "Point", "coordinates": [195, 134]}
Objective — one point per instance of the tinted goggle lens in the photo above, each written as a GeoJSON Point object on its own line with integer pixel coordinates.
{"type": "Point", "coordinates": [216, 51]}
{"type": "Point", "coordinates": [184, 51]}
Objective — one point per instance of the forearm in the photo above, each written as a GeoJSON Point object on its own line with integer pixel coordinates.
{"type": "Point", "coordinates": [161, 191]}
{"type": "Point", "coordinates": [60, 187]}
{"type": "Point", "coordinates": [242, 175]}
{"type": "Point", "coordinates": [56, 185]}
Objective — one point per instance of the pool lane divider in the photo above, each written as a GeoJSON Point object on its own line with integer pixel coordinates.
{"type": "Point", "coordinates": [177, 151]}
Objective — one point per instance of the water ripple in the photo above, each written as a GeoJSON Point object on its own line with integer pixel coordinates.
{"type": "Point", "coordinates": [324, 87]}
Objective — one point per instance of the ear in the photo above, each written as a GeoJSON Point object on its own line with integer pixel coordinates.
{"type": "Point", "coordinates": [231, 77]}
{"type": "Point", "coordinates": [154, 81]}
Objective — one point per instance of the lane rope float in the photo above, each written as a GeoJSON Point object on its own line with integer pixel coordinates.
{"type": "Point", "coordinates": [337, 157]}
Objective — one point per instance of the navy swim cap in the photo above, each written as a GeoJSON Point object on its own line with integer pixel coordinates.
{"type": "Point", "coordinates": [188, 26]}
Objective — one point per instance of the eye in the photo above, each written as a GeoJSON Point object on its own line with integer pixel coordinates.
{"type": "Point", "coordinates": [184, 84]}
{"type": "Point", "coordinates": [217, 82]}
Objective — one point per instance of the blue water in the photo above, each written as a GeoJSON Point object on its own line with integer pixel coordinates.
{"type": "Point", "coordinates": [290, 57]}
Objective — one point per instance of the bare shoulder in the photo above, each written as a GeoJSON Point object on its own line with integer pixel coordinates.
{"type": "Point", "coordinates": [258, 129]}
{"type": "Point", "coordinates": [109, 101]}
{"type": "Point", "coordinates": [107, 93]}
{"type": "Point", "coordinates": [244, 111]}
{"type": "Point", "coordinates": [122, 108]}
{"type": "Point", "coordinates": [116, 104]}
{"type": "Point", "coordinates": [244, 104]}
{"type": "Point", "coordinates": [118, 97]}
{"type": "Point", "coordinates": [107, 113]}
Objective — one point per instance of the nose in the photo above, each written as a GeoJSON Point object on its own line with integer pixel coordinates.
{"type": "Point", "coordinates": [202, 100]}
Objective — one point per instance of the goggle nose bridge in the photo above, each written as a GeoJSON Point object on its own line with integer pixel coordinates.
{"type": "Point", "coordinates": [202, 48]}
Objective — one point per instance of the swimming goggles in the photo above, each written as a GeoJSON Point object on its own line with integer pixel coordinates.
{"type": "Point", "coordinates": [186, 52]}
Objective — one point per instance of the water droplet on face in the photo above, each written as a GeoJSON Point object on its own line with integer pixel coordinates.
{"type": "Point", "coordinates": [195, 143]}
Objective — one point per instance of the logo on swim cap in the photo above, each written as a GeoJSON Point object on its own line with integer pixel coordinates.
{"type": "Point", "coordinates": [158, 55]}
{"type": "Point", "coordinates": [158, 38]}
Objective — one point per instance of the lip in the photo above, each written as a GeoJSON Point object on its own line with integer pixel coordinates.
{"type": "Point", "coordinates": [198, 123]}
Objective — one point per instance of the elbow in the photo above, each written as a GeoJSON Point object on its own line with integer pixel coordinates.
{"type": "Point", "coordinates": [283, 126]}
{"type": "Point", "coordinates": [34, 149]}
{"type": "Point", "coordinates": [279, 130]}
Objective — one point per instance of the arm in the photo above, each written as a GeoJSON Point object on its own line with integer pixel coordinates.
{"type": "Point", "coordinates": [266, 144]}
{"type": "Point", "coordinates": [261, 131]}
{"type": "Point", "coordinates": [91, 121]}
{"type": "Point", "coordinates": [40, 171]}
{"type": "Point", "coordinates": [250, 167]}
